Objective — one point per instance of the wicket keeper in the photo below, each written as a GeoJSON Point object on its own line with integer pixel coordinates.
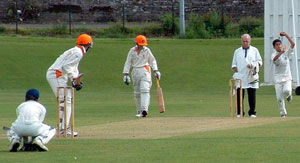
{"type": "Point", "coordinates": [30, 117]}
{"type": "Point", "coordinates": [141, 60]}
{"type": "Point", "coordinates": [66, 67]}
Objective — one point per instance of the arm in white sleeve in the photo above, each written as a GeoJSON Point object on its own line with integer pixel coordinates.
{"type": "Point", "coordinates": [71, 65]}
{"type": "Point", "coordinates": [152, 61]}
{"type": "Point", "coordinates": [273, 55]}
{"type": "Point", "coordinates": [127, 64]}
{"type": "Point", "coordinates": [234, 62]}
{"type": "Point", "coordinates": [290, 52]}
{"type": "Point", "coordinates": [258, 58]}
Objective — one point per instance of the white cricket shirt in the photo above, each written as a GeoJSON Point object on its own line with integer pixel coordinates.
{"type": "Point", "coordinates": [30, 112]}
{"type": "Point", "coordinates": [135, 60]}
{"type": "Point", "coordinates": [68, 62]}
{"type": "Point", "coordinates": [282, 71]}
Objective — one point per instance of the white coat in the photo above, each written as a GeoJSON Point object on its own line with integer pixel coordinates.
{"type": "Point", "coordinates": [240, 62]}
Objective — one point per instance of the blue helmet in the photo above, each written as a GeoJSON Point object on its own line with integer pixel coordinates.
{"type": "Point", "coordinates": [32, 94]}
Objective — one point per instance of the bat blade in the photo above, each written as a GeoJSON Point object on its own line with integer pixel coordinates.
{"type": "Point", "coordinates": [161, 100]}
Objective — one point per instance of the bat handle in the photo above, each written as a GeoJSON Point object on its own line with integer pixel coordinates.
{"type": "Point", "coordinates": [157, 82]}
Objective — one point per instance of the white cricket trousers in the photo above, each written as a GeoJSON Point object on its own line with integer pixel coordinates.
{"type": "Point", "coordinates": [283, 90]}
{"type": "Point", "coordinates": [39, 130]}
{"type": "Point", "coordinates": [54, 84]}
{"type": "Point", "coordinates": [142, 84]}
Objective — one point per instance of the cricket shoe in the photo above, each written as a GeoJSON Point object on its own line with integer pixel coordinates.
{"type": "Point", "coordinates": [289, 99]}
{"type": "Point", "coordinates": [139, 115]}
{"type": "Point", "coordinates": [144, 113]}
{"type": "Point", "coordinates": [69, 133]}
{"type": "Point", "coordinates": [14, 145]}
{"type": "Point", "coordinates": [253, 116]}
{"type": "Point", "coordinates": [283, 115]}
{"type": "Point", "coordinates": [39, 145]}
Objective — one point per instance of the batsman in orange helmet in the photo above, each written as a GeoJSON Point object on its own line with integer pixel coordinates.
{"type": "Point", "coordinates": [141, 60]}
{"type": "Point", "coordinates": [66, 67]}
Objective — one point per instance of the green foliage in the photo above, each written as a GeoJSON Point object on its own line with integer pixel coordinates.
{"type": "Point", "coordinates": [169, 25]}
{"type": "Point", "coordinates": [196, 28]}
{"type": "Point", "coordinates": [149, 30]}
{"type": "Point", "coordinates": [208, 26]}
{"type": "Point", "coordinates": [215, 23]}
{"type": "Point", "coordinates": [2, 29]}
{"type": "Point", "coordinates": [59, 30]}
{"type": "Point", "coordinates": [232, 30]}
{"type": "Point", "coordinates": [251, 25]}
{"type": "Point", "coordinates": [258, 31]}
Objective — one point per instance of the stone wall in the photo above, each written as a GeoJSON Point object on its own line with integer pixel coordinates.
{"type": "Point", "coordinates": [91, 11]}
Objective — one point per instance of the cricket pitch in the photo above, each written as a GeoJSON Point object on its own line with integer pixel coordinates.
{"type": "Point", "coordinates": [155, 128]}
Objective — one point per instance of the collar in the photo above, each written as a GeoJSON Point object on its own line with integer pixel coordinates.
{"type": "Point", "coordinates": [246, 48]}
{"type": "Point", "coordinates": [82, 49]}
{"type": "Point", "coordinates": [135, 48]}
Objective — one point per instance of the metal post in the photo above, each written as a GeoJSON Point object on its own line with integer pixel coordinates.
{"type": "Point", "coordinates": [295, 40]}
{"type": "Point", "coordinates": [173, 18]}
{"type": "Point", "coordinates": [222, 20]}
{"type": "Point", "coordinates": [182, 22]}
{"type": "Point", "coordinates": [17, 16]}
{"type": "Point", "coordinates": [70, 19]}
{"type": "Point", "coordinates": [123, 15]}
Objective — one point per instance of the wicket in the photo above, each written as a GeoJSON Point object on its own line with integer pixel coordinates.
{"type": "Point", "coordinates": [66, 90]}
{"type": "Point", "coordinates": [233, 83]}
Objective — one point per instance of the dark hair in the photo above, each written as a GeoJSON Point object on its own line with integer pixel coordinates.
{"type": "Point", "coordinates": [275, 41]}
{"type": "Point", "coordinates": [32, 94]}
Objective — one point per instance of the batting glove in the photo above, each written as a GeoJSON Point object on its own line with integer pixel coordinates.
{"type": "Point", "coordinates": [157, 74]}
{"type": "Point", "coordinates": [126, 79]}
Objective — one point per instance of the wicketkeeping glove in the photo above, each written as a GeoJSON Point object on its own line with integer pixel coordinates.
{"type": "Point", "coordinates": [126, 79]}
{"type": "Point", "coordinates": [76, 85]}
{"type": "Point", "coordinates": [157, 74]}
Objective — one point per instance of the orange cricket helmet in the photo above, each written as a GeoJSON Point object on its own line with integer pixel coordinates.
{"type": "Point", "coordinates": [85, 39]}
{"type": "Point", "coordinates": [141, 40]}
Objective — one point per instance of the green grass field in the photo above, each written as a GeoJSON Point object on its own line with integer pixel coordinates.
{"type": "Point", "coordinates": [196, 127]}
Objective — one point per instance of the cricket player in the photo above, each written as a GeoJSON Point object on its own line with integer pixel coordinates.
{"type": "Point", "coordinates": [66, 67]}
{"type": "Point", "coordinates": [244, 60]}
{"type": "Point", "coordinates": [30, 117]}
{"type": "Point", "coordinates": [141, 60]}
{"type": "Point", "coordinates": [282, 73]}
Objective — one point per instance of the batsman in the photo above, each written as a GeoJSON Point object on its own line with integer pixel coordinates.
{"type": "Point", "coordinates": [66, 67]}
{"type": "Point", "coordinates": [141, 60]}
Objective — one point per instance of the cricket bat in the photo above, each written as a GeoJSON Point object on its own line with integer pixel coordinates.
{"type": "Point", "coordinates": [160, 96]}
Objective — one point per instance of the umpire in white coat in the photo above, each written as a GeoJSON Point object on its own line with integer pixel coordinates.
{"type": "Point", "coordinates": [30, 117]}
{"type": "Point", "coordinates": [141, 59]}
{"type": "Point", "coordinates": [243, 60]}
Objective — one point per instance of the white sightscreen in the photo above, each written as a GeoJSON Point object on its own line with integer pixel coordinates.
{"type": "Point", "coordinates": [278, 18]}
